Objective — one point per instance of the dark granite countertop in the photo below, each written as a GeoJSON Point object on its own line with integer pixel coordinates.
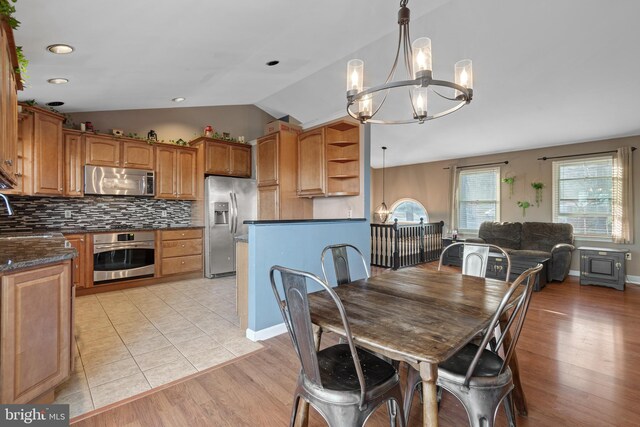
{"type": "Point", "coordinates": [82, 230]}
{"type": "Point", "coordinates": [25, 250]}
{"type": "Point", "coordinates": [302, 221]}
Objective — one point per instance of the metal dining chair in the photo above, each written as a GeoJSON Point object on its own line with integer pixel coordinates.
{"type": "Point", "coordinates": [345, 384]}
{"type": "Point", "coordinates": [340, 256]}
{"type": "Point", "coordinates": [475, 258]}
{"type": "Point", "coordinates": [478, 377]}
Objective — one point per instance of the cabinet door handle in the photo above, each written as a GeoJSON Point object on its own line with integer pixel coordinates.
{"type": "Point", "coordinates": [18, 174]}
{"type": "Point", "coordinates": [60, 189]}
{"type": "Point", "coordinates": [9, 162]}
{"type": "Point", "coordinates": [183, 245]}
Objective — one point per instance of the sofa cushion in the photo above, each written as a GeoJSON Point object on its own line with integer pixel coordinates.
{"type": "Point", "coordinates": [506, 234]}
{"type": "Point", "coordinates": [527, 253]}
{"type": "Point", "coordinates": [543, 236]}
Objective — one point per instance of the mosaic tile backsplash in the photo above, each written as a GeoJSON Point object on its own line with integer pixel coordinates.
{"type": "Point", "coordinates": [92, 212]}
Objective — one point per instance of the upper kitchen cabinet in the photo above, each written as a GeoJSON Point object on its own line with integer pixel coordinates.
{"type": "Point", "coordinates": [176, 173]}
{"type": "Point", "coordinates": [277, 176]}
{"type": "Point", "coordinates": [329, 160]}
{"type": "Point", "coordinates": [225, 158]}
{"type": "Point", "coordinates": [9, 84]}
{"type": "Point", "coordinates": [103, 150]}
{"type": "Point", "coordinates": [73, 163]}
{"type": "Point", "coordinates": [41, 146]}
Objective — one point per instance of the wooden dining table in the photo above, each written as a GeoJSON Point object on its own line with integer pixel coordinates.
{"type": "Point", "coordinates": [415, 315]}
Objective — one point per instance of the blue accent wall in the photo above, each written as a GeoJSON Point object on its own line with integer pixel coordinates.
{"type": "Point", "coordinates": [298, 246]}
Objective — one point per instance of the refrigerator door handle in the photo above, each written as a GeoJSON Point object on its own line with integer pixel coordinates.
{"type": "Point", "coordinates": [232, 213]}
{"type": "Point", "coordinates": [235, 217]}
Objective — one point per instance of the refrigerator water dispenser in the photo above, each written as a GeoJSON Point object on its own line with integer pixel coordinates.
{"type": "Point", "coordinates": [221, 213]}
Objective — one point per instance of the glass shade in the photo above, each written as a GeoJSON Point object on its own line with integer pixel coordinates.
{"type": "Point", "coordinates": [419, 100]}
{"type": "Point", "coordinates": [421, 55]}
{"type": "Point", "coordinates": [464, 74]}
{"type": "Point", "coordinates": [365, 106]}
{"type": "Point", "coordinates": [355, 75]}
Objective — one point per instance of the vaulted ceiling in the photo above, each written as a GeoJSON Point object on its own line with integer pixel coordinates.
{"type": "Point", "coordinates": [545, 72]}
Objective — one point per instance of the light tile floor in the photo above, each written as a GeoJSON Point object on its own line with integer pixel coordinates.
{"type": "Point", "coordinates": [134, 340]}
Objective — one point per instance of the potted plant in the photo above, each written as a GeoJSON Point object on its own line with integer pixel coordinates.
{"type": "Point", "coordinates": [509, 180]}
{"type": "Point", "coordinates": [538, 186]}
{"type": "Point", "coordinates": [524, 205]}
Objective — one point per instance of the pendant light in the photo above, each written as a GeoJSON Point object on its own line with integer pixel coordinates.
{"type": "Point", "coordinates": [382, 213]}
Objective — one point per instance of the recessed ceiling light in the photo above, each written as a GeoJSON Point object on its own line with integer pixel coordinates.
{"type": "Point", "coordinates": [60, 49]}
{"type": "Point", "coordinates": [58, 81]}
{"type": "Point", "coordinates": [178, 99]}
{"type": "Point", "coordinates": [272, 63]}
{"type": "Point", "coordinates": [55, 103]}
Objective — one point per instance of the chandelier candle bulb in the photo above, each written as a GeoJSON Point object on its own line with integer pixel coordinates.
{"type": "Point", "coordinates": [355, 76]}
{"type": "Point", "coordinates": [365, 107]}
{"type": "Point", "coordinates": [463, 75]}
{"type": "Point", "coordinates": [421, 56]}
{"type": "Point", "coordinates": [419, 99]}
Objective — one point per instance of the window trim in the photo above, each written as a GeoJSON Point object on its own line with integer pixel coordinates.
{"type": "Point", "coordinates": [555, 167]}
{"type": "Point", "coordinates": [398, 202]}
{"type": "Point", "coordinates": [498, 173]}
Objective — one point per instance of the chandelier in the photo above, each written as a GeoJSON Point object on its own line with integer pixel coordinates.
{"type": "Point", "coordinates": [362, 101]}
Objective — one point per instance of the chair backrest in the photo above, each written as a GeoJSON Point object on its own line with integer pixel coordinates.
{"type": "Point", "coordinates": [340, 256]}
{"type": "Point", "coordinates": [515, 320]}
{"type": "Point", "coordinates": [476, 257]}
{"type": "Point", "coordinates": [474, 260]}
{"type": "Point", "coordinates": [295, 312]}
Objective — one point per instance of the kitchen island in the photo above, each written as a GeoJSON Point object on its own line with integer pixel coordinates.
{"type": "Point", "coordinates": [36, 316]}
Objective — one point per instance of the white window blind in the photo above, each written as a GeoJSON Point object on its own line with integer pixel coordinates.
{"type": "Point", "coordinates": [478, 198]}
{"type": "Point", "coordinates": [582, 195]}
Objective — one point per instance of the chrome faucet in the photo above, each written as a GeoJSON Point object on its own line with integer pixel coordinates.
{"type": "Point", "coordinates": [6, 202]}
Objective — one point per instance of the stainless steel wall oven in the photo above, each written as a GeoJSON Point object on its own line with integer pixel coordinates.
{"type": "Point", "coordinates": [120, 256]}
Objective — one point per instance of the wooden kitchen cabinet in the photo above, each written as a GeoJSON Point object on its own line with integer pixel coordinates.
{"type": "Point", "coordinates": [79, 263]}
{"type": "Point", "coordinates": [180, 251]}
{"type": "Point", "coordinates": [102, 151]}
{"type": "Point", "coordinates": [48, 153]}
{"type": "Point", "coordinates": [9, 84]}
{"type": "Point", "coordinates": [176, 173]}
{"type": "Point", "coordinates": [277, 176]}
{"type": "Point", "coordinates": [329, 160]}
{"type": "Point", "coordinates": [24, 156]}
{"type": "Point", "coordinates": [225, 158]}
{"type": "Point", "coordinates": [311, 163]}
{"type": "Point", "coordinates": [105, 150]}
{"type": "Point", "coordinates": [73, 164]}
{"type": "Point", "coordinates": [36, 321]}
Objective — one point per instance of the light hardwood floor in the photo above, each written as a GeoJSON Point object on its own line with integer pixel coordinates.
{"type": "Point", "coordinates": [579, 354]}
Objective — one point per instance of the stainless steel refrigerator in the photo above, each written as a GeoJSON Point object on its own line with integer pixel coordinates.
{"type": "Point", "coordinates": [228, 203]}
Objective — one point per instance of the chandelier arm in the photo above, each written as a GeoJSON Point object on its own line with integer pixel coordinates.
{"type": "Point", "coordinates": [443, 96]}
{"type": "Point", "coordinates": [392, 72]}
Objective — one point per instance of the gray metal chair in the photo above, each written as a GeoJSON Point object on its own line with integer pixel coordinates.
{"type": "Point", "coordinates": [477, 376]}
{"type": "Point", "coordinates": [343, 383]}
{"type": "Point", "coordinates": [475, 258]}
{"type": "Point", "coordinates": [340, 256]}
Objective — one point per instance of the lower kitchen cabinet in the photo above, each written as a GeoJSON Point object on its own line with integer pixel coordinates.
{"type": "Point", "coordinates": [80, 263]}
{"type": "Point", "coordinates": [180, 251]}
{"type": "Point", "coordinates": [36, 321]}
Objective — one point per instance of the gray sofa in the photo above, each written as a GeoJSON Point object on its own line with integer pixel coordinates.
{"type": "Point", "coordinates": [532, 240]}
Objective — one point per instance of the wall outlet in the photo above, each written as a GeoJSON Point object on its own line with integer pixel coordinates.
{"type": "Point", "coordinates": [67, 214]}
{"type": "Point", "coordinates": [627, 256]}
{"type": "Point", "coordinates": [163, 214]}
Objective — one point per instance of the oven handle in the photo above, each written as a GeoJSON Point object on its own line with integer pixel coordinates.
{"type": "Point", "coordinates": [114, 247]}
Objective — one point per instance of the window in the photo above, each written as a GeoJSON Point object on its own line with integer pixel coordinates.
{"type": "Point", "coordinates": [408, 210]}
{"type": "Point", "coordinates": [582, 195]}
{"type": "Point", "coordinates": [478, 198]}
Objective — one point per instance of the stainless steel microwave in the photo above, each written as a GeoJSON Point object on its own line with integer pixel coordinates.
{"type": "Point", "coordinates": [118, 181]}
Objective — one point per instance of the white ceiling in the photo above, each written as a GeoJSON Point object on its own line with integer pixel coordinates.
{"type": "Point", "coordinates": [546, 72]}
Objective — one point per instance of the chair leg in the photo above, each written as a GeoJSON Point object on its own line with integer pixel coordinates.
{"type": "Point", "coordinates": [294, 410]}
{"type": "Point", "coordinates": [393, 413]}
{"type": "Point", "coordinates": [510, 409]}
{"type": "Point", "coordinates": [413, 381]}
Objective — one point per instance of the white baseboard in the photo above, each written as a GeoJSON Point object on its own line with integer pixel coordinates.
{"type": "Point", "coordinates": [629, 280]}
{"type": "Point", "coordinates": [265, 334]}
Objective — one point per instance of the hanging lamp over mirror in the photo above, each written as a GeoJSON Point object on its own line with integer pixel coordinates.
{"type": "Point", "coordinates": [381, 214]}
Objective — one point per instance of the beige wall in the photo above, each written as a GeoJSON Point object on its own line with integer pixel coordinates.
{"type": "Point", "coordinates": [429, 184]}
{"type": "Point", "coordinates": [186, 123]}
